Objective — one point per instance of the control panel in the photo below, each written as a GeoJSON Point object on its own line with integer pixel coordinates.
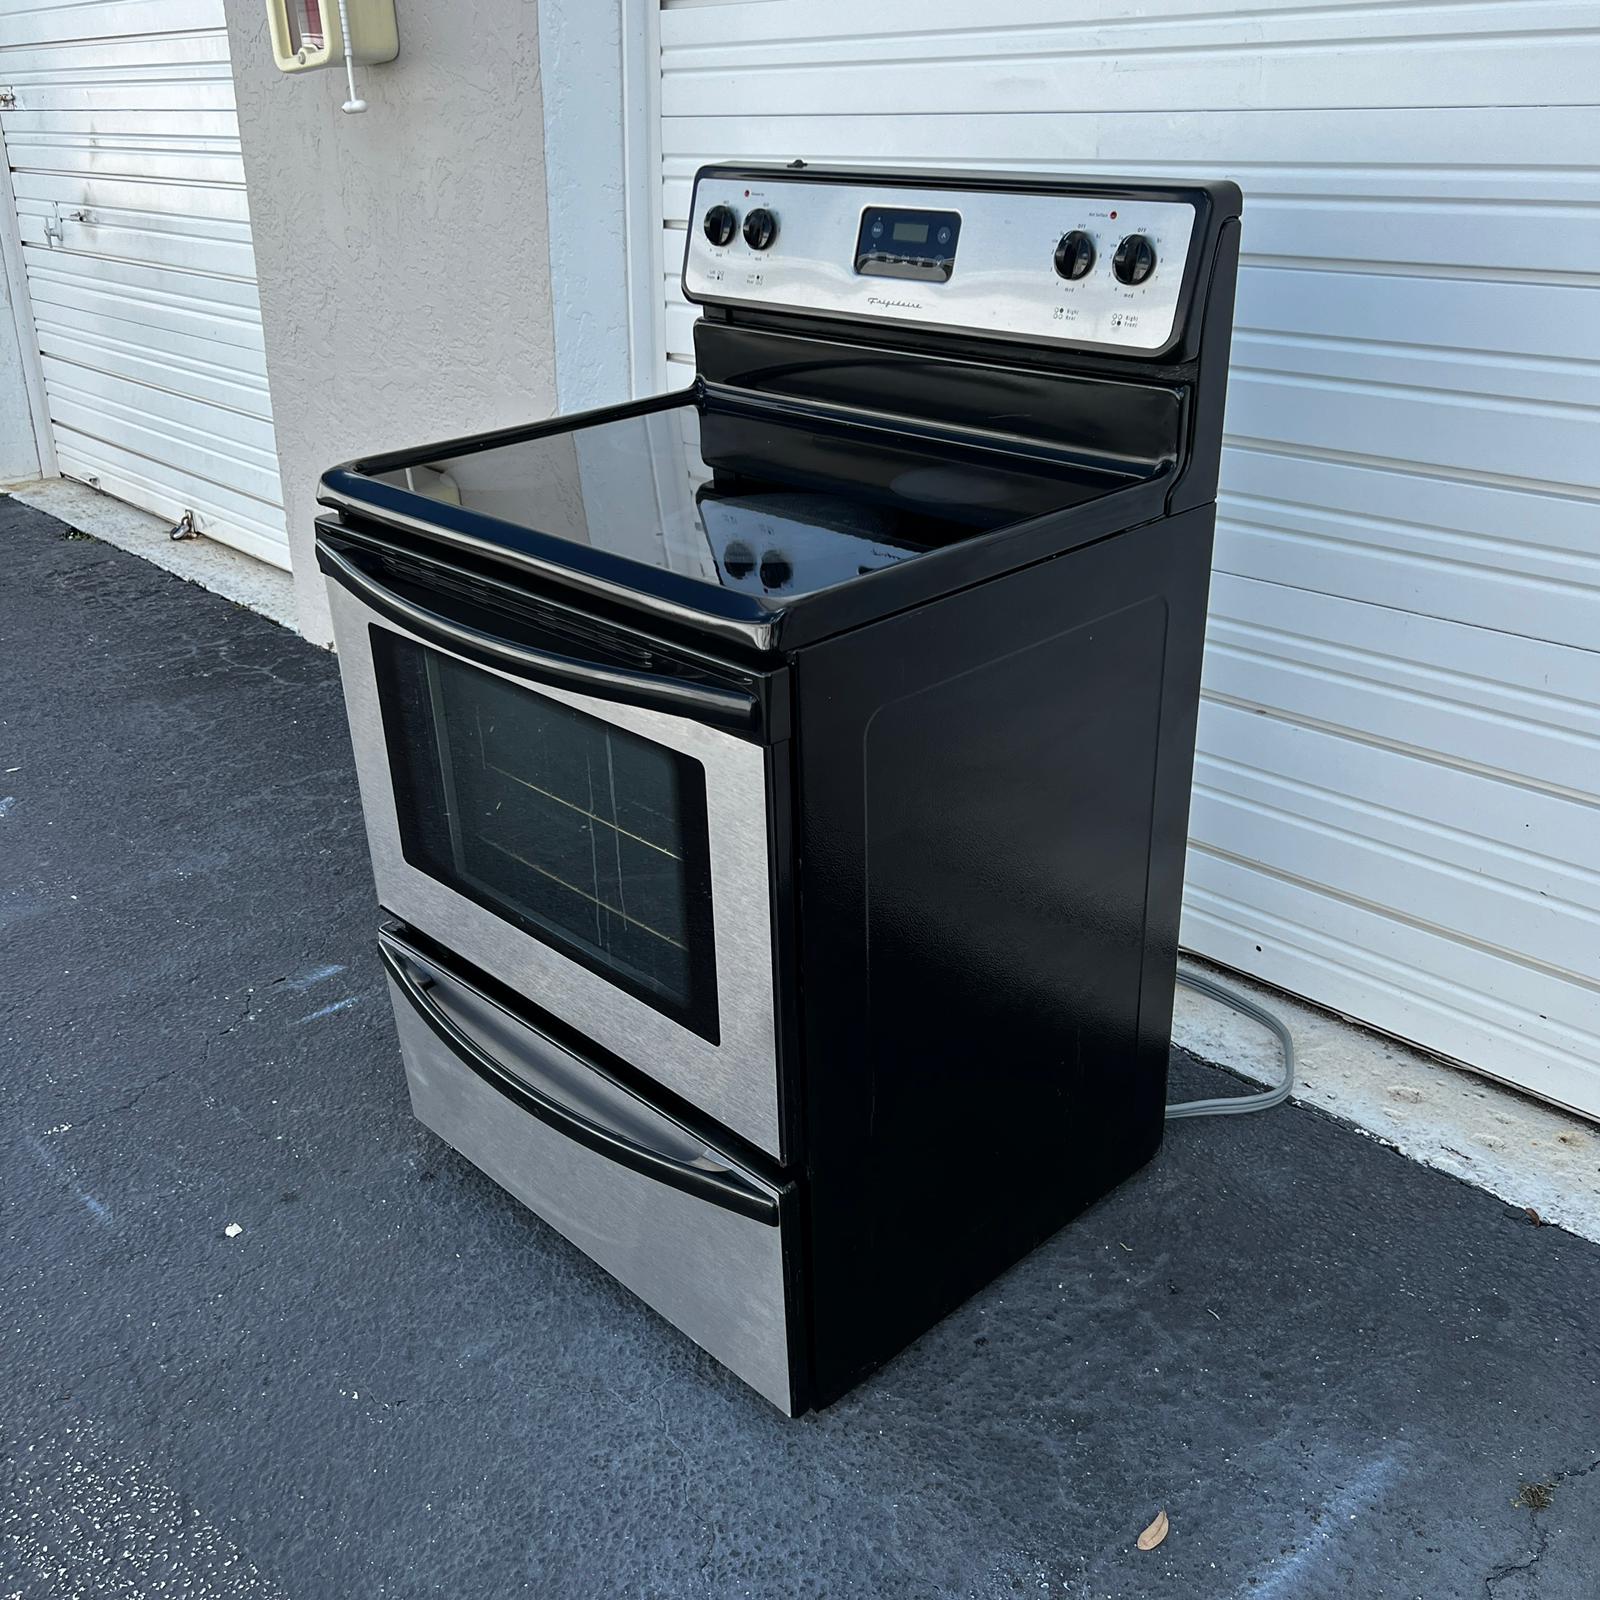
{"type": "Point", "coordinates": [1044, 268]}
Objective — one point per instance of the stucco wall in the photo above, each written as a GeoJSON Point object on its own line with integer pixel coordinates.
{"type": "Point", "coordinates": [402, 253]}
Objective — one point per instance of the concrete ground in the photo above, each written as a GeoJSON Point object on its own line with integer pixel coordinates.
{"type": "Point", "coordinates": [262, 1336]}
{"type": "Point", "coordinates": [1528, 1153]}
{"type": "Point", "coordinates": [247, 582]}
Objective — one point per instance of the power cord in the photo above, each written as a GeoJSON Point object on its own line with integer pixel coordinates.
{"type": "Point", "coordinates": [1237, 1104]}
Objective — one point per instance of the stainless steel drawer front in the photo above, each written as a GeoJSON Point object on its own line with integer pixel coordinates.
{"type": "Point", "coordinates": [713, 1268]}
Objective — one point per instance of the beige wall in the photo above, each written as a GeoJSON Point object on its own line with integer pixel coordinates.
{"type": "Point", "coordinates": [402, 253]}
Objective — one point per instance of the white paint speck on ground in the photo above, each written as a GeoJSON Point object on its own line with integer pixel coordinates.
{"type": "Point", "coordinates": [328, 1011]}
{"type": "Point", "coordinates": [233, 1230]}
{"type": "Point", "coordinates": [81, 1522]}
{"type": "Point", "coordinates": [54, 1165]}
{"type": "Point", "coordinates": [314, 976]}
{"type": "Point", "coordinates": [1291, 1575]}
{"type": "Point", "coordinates": [7, 803]}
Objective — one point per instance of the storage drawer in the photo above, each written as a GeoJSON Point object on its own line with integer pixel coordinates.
{"type": "Point", "coordinates": [690, 1230]}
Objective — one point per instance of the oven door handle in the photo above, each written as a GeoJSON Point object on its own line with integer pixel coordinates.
{"type": "Point", "coordinates": [721, 1186]}
{"type": "Point", "coordinates": [724, 708]}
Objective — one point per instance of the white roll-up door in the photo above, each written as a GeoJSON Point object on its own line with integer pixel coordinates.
{"type": "Point", "coordinates": [123, 147]}
{"type": "Point", "coordinates": [1397, 802]}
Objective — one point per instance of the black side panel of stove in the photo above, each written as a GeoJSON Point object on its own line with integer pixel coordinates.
{"type": "Point", "coordinates": [1197, 483]}
{"type": "Point", "coordinates": [994, 801]}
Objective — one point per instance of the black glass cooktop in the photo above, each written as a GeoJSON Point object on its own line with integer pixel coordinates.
{"type": "Point", "coordinates": [774, 505]}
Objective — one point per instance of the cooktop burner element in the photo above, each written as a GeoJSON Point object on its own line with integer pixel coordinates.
{"type": "Point", "coordinates": [777, 790]}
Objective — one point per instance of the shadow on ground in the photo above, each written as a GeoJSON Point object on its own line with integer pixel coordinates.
{"type": "Point", "coordinates": [1339, 1373]}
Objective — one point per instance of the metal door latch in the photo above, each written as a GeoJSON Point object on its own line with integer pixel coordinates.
{"type": "Point", "coordinates": [185, 527]}
{"type": "Point", "coordinates": [53, 234]}
{"type": "Point", "coordinates": [8, 99]}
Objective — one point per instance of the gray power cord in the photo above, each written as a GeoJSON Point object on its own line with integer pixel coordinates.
{"type": "Point", "coordinates": [1237, 1104]}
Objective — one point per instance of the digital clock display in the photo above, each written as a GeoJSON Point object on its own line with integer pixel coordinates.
{"type": "Point", "coordinates": [897, 242]}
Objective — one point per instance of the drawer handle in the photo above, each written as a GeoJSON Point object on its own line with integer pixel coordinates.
{"type": "Point", "coordinates": [719, 1185]}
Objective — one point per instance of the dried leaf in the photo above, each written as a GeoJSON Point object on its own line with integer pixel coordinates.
{"type": "Point", "coordinates": [1155, 1533]}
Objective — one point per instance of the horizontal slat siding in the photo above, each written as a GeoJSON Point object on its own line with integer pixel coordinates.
{"type": "Point", "coordinates": [205, 129]}
{"type": "Point", "coordinates": [1397, 802]}
{"type": "Point", "coordinates": [253, 526]}
{"type": "Point", "coordinates": [110, 237]}
{"type": "Point", "coordinates": [1510, 559]}
{"type": "Point", "coordinates": [26, 22]}
{"type": "Point", "coordinates": [84, 156]}
{"type": "Point", "coordinates": [130, 194]}
{"type": "Point", "coordinates": [953, 30]}
{"type": "Point", "coordinates": [216, 307]}
{"type": "Point", "coordinates": [1504, 1018]}
{"type": "Point", "coordinates": [97, 352]}
{"type": "Point", "coordinates": [186, 454]}
{"type": "Point", "coordinates": [793, 51]}
{"type": "Point", "coordinates": [37, 191]}
{"type": "Point", "coordinates": [1526, 713]}
{"type": "Point", "coordinates": [1358, 763]}
{"type": "Point", "coordinates": [171, 93]}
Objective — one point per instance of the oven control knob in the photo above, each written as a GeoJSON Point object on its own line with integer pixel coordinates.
{"type": "Point", "coordinates": [760, 228]}
{"type": "Point", "coordinates": [1135, 259]}
{"type": "Point", "coordinates": [1074, 255]}
{"type": "Point", "coordinates": [722, 222]}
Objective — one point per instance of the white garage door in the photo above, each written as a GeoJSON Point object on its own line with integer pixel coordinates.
{"type": "Point", "coordinates": [124, 154]}
{"type": "Point", "coordinates": [1397, 804]}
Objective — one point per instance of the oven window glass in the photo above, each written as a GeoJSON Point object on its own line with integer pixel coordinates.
{"type": "Point", "coordinates": [585, 835]}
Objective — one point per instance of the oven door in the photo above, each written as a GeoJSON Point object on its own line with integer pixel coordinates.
{"type": "Point", "coordinates": [592, 834]}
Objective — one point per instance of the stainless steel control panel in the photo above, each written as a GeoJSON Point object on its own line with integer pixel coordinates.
{"type": "Point", "coordinates": [1044, 268]}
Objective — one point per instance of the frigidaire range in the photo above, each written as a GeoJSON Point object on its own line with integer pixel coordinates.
{"type": "Point", "coordinates": [778, 789]}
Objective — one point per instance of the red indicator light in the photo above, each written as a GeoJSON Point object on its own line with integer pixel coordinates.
{"type": "Point", "coordinates": [747, 194]}
{"type": "Point", "coordinates": [1113, 216]}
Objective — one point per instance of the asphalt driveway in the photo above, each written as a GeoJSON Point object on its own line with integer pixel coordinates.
{"type": "Point", "coordinates": [262, 1336]}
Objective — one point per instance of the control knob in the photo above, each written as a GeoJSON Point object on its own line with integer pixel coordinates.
{"type": "Point", "coordinates": [1074, 255]}
{"type": "Point", "coordinates": [1135, 259]}
{"type": "Point", "coordinates": [722, 222]}
{"type": "Point", "coordinates": [760, 228]}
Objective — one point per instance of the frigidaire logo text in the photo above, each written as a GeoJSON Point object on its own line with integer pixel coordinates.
{"type": "Point", "coordinates": [894, 305]}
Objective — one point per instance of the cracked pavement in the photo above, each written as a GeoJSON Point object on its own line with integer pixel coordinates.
{"type": "Point", "coordinates": [1339, 1373]}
